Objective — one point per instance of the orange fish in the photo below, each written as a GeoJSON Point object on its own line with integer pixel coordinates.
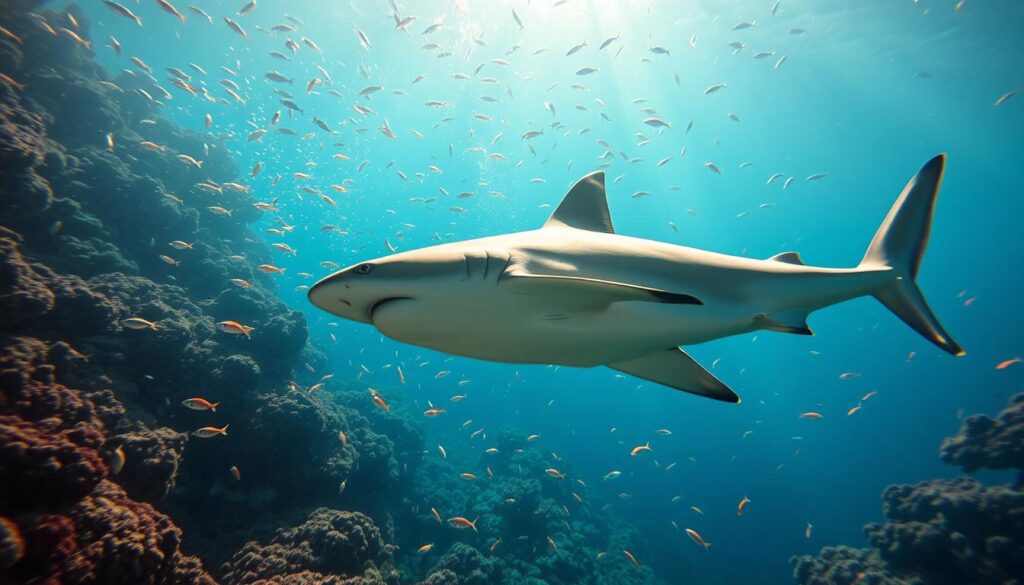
{"type": "Point", "coordinates": [377, 400]}
{"type": "Point", "coordinates": [462, 523]}
{"type": "Point", "coordinates": [697, 538]}
{"type": "Point", "coordinates": [810, 415]}
{"type": "Point", "coordinates": [807, 531]}
{"type": "Point", "coordinates": [495, 544]}
{"type": "Point", "coordinates": [853, 410]}
{"type": "Point", "coordinates": [555, 473]}
{"type": "Point", "coordinates": [425, 548]}
{"type": "Point", "coordinates": [552, 544]}
{"type": "Point", "coordinates": [235, 328]}
{"type": "Point", "coordinates": [433, 411]}
{"type": "Point", "coordinates": [170, 260]}
{"type": "Point", "coordinates": [315, 387]}
{"type": "Point", "coordinates": [200, 404]}
{"type": "Point", "coordinates": [207, 432]}
{"type": "Point", "coordinates": [117, 460]}
{"type": "Point", "coordinates": [236, 473]}
{"type": "Point", "coordinates": [1007, 363]}
{"type": "Point", "coordinates": [469, 476]}
{"type": "Point", "coordinates": [641, 448]}
{"type": "Point", "coordinates": [743, 504]}
{"type": "Point", "coordinates": [343, 439]}
{"type": "Point", "coordinates": [868, 395]}
{"type": "Point", "coordinates": [269, 268]}
{"type": "Point", "coordinates": [629, 556]}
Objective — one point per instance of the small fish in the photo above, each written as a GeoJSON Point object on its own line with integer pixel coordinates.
{"type": "Point", "coordinates": [1007, 363]}
{"type": "Point", "coordinates": [713, 168]}
{"type": "Point", "coordinates": [853, 410]}
{"type": "Point", "coordinates": [270, 268]}
{"type": "Point", "coordinates": [236, 472]}
{"type": "Point", "coordinates": [138, 323]}
{"type": "Point", "coordinates": [612, 475]}
{"type": "Point", "coordinates": [713, 88]}
{"type": "Point", "coordinates": [743, 504]}
{"type": "Point", "coordinates": [868, 395]}
{"type": "Point", "coordinates": [552, 544]}
{"type": "Point", "coordinates": [641, 449]}
{"type": "Point", "coordinates": [807, 531]}
{"type": "Point", "coordinates": [462, 523]}
{"type": "Point", "coordinates": [236, 27]}
{"type": "Point", "coordinates": [573, 50]}
{"type": "Point", "coordinates": [631, 558]}
{"type": "Point", "coordinates": [425, 548]}
{"type": "Point", "coordinates": [1002, 99]}
{"type": "Point", "coordinates": [468, 476]}
{"type": "Point", "coordinates": [444, 454]}
{"type": "Point", "coordinates": [810, 415]}
{"type": "Point", "coordinates": [117, 460]}
{"type": "Point", "coordinates": [437, 516]}
{"type": "Point", "coordinates": [200, 404]}
{"type": "Point", "coordinates": [123, 11]}
{"type": "Point", "coordinates": [379, 403]}
{"type": "Point", "coordinates": [207, 432]}
{"type": "Point", "coordinates": [235, 328]}
{"type": "Point", "coordinates": [697, 538]}
{"type": "Point", "coordinates": [170, 9]}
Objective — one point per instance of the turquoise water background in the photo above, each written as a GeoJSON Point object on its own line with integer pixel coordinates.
{"type": "Point", "coordinates": [869, 92]}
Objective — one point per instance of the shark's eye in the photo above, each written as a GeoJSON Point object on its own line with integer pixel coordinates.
{"type": "Point", "coordinates": [363, 268]}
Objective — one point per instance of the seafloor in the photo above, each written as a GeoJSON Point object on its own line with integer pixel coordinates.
{"type": "Point", "coordinates": [280, 498]}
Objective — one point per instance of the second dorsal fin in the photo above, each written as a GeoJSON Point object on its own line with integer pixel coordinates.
{"type": "Point", "coordinates": [584, 207]}
{"type": "Point", "coordinates": [788, 258]}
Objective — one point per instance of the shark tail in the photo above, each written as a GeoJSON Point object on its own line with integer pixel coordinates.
{"type": "Point", "coordinates": [899, 246]}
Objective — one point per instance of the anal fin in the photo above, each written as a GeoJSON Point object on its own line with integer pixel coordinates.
{"type": "Point", "coordinates": [675, 369]}
{"type": "Point", "coordinates": [785, 322]}
{"type": "Point", "coordinates": [788, 258]}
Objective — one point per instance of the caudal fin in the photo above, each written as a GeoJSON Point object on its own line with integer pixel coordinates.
{"type": "Point", "coordinates": [899, 244]}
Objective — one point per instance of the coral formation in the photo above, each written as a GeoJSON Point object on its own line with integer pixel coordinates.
{"type": "Point", "coordinates": [329, 545]}
{"type": "Point", "coordinates": [985, 442]}
{"type": "Point", "coordinates": [942, 532]}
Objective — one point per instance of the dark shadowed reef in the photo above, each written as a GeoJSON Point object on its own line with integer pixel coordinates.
{"type": "Point", "coordinates": [103, 481]}
{"type": "Point", "coordinates": [943, 532]}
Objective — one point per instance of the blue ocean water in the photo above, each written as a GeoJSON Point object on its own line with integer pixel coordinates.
{"type": "Point", "coordinates": [867, 93]}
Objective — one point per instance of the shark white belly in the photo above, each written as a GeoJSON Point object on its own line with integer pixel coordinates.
{"type": "Point", "coordinates": [576, 293]}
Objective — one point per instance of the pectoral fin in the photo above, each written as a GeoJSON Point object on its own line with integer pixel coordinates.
{"type": "Point", "coordinates": [675, 369]}
{"type": "Point", "coordinates": [590, 291]}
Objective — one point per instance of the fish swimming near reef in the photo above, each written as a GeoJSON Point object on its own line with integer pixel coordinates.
{"type": "Point", "coordinates": [575, 293]}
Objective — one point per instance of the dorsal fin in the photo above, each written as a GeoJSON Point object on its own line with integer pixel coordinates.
{"type": "Point", "coordinates": [584, 207]}
{"type": "Point", "coordinates": [788, 258]}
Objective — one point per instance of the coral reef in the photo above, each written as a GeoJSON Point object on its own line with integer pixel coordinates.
{"type": "Point", "coordinates": [64, 521]}
{"type": "Point", "coordinates": [942, 532]}
{"type": "Point", "coordinates": [985, 442]}
{"type": "Point", "coordinates": [330, 546]}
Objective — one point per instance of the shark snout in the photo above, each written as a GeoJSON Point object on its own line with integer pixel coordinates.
{"type": "Point", "coordinates": [333, 295]}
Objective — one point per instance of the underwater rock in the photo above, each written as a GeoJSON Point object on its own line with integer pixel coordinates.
{"type": "Point", "coordinates": [942, 532]}
{"type": "Point", "coordinates": [154, 456]}
{"type": "Point", "coordinates": [992, 443]}
{"type": "Point", "coordinates": [329, 544]}
{"type": "Point", "coordinates": [23, 293]}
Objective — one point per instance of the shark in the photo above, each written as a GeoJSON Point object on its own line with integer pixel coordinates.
{"type": "Point", "coordinates": [576, 293]}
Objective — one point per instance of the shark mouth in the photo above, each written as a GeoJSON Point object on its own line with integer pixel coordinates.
{"type": "Point", "coordinates": [382, 302]}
